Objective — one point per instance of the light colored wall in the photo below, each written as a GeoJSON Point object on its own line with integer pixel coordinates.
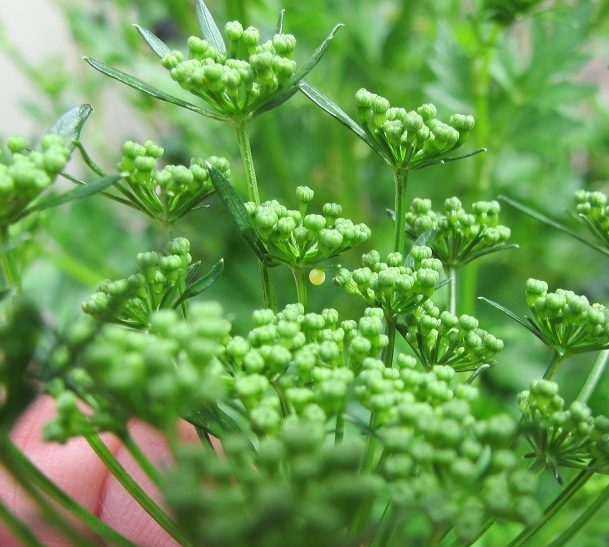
{"type": "Point", "coordinates": [36, 29]}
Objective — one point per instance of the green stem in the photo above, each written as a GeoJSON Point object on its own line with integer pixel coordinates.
{"type": "Point", "coordinates": [7, 260]}
{"type": "Point", "coordinates": [339, 432]}
{"type": "Point", "coordinates": [245, 149]}
{"type": "Point", "coordinates": [401, 183]}
{"type": "Point", "coordinates": [452, 290]}
{"type": "Point", "coordinates": [301, 286]}
{"type": "Point", "coordinates": [553, 366]}
{"type": "Point", "coordinates": [582, 520]}
{"type": "Point", "coordinates": [142, 460]}
{"type": "Point", "coordinates": [19, 528]}
{"type": "Point", "coordinates": [553, 508]}
{"type": "Point", "coordinates": [390, 348]}
{"type": "Point", "coordinates": [594, 376]}
{"type": "Point", "coordinates": [34, 475]}
{"type": "Point", "coordinates": [134, 489]}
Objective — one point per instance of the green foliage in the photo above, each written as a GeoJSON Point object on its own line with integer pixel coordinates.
{"type": "Point", "coordinates": [330, 434]}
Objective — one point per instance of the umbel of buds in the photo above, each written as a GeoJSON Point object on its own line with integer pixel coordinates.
{"type": "Point", "coordinates": [562, 437]}
{"type": "Point", "coordinates": [458, 237]}
{"type": "Point", "coordinates": [566, 321]}
{"type": "Point", "coordinates": [25, 174]}
{"type": "Point", "coordinates": [298, 238]}
{"type": "Point", "coordinates": [168, 194]}
{"type": "Point", "coordinates": [299, 365]}
{"type": "Point", "coordinates": [441, 338]}
{"type": "Point", "coordinates": [410, 139]}
{"type": "Point", "coordinates": [157, 375]}
{"type": "Point", "coordinates": [593, 212]}
{"type": "Point", "coordinates": [159, 284]}
{"type": "Point", "coordinates": [239, 81]}
{"type": "Point", "coordinates": [392, 285]}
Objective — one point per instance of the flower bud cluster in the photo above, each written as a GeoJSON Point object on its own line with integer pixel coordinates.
{"type": "Point", "coordinates": [562, 437]}
{"type": "Point", "coordinates": [458, 236]}
{"type": "Point", "coordinates": [410, 139]}
{"type": "Point", "coordinates": [593, 212]}
{"type": "Point", "coordinates": [392, 285]}
{"type": "Point", "coordinates": [260, 497]}
{"type": "Point", "coordinates": [438, 457]}
{"type": "Point", "coordinates": [441, 338]}
{"type": "Point", "coordinates": [301, 239]}
{"type": "Point", "coordinates": [168, 194]}
{"type": "Point", "coordinates": [292, 363]}
{"type": "Point", "coordinates": [157, 376]}
{"type": "Point", "coordinates": [130, 302]}
{"type": "Point", "coordinates": [238, 82]}
{"type": "Point", "coordinates": [567, 321]}
{"type": "Point", "coordinates": [25, 174]}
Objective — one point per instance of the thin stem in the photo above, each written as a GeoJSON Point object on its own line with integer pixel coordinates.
{"type": "Point", "coordinates": [301, 286]}
{"type": "Point", "coordinates": [19, 528]}
{"type": "Point", "coordinates": [452, 290]}
{"type": "Point", "coordinates": [7, 260]}
{"type": "Point", "coordinates": [390, 348]}
{"type": "Point", "coordinates": [401, 183]}
{"type": "Point", "coordinates": [557, 357]}
{"type": "Point", "coordinates": [34, 475]}
{"type": "Point", "coordinates": [583, 519]}
{"type": "Point", "coordinates": [553, 508]}
{"type": "Point", "coordinates": [142, 460]}
{"type": "Point", "coordinates": [245, 149]}
{"type": "Point", "coordinates": [594, 376]}
{"type": "Point", "coordinates": [340, 427]}
{"type": "Point", "coordinates": [134, 489]}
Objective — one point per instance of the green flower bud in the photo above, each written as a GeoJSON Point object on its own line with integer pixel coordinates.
{"type": "Point", "coordinates": [427, 111]}
{"type": "Point", "coordinates": [332, 210]}
{"type": "Point", "coordinates": [233, 31]}
{"type": "Point", "coordinates": [304, 194]}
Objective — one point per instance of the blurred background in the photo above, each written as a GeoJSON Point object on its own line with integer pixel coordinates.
{"type": "Point", "coordinates": [533, 73]}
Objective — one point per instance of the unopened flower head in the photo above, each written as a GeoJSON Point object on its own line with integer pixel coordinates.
{"type": "Point", "coordinates": [302, 239]}
{"type": "Point", "coordinates": [245, 77]}
{"type": "Point", "coordinates": [392, 285]}
{"type": "Point", "coordinates": [458, 236]}
{"type": "Point", "coordinates": [441, 338]}
{"type": "Point", "coordinates": [166, 194]}
{"type": "Point", "coordinates": [25, 174]}
{"type": "Point", "coordinates": [410, 139]}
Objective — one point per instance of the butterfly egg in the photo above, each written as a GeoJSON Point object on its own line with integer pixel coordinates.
{"type": "Point", "coordinates": [317, 277]}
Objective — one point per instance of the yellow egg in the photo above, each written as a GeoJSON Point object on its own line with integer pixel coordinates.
{"type": "Point", "coordinates": [317, 277]}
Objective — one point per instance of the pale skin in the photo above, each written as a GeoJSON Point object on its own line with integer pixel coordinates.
{"type": "Point", "coordinates": [78, 471]}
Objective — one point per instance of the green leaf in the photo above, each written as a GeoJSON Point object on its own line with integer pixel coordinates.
{"type": "Point", "coordinates": [238, 212]}
{"type": "Point", "coordinates": [292, 86]}
{"type": "Point", "coordinates": [209, 29]}
{"type": "Point", "coordinates": [70, 124]}
{"type": "Point", "coordinates": [488, 251]}
{"type": "Point", "coordinates": [213, 420]}
{"type": "Point", "coordinates": [156, 44]}
{"type": "Point", "coordinates": [328, 105]}
{"type": "Point", "coordinates": [135, 83]}
{"type": "Point", "coordinates": [279, 25]}
{"type": "Point", "coordinates": [79, 192]}
{"type": "Point", "coordinates": [201, 284]}
{"type": "Point", "coordinates": [5, 293]}
{"type": "Point", "coordinates": [513, 316]}
{"type": "Point", "coordinates": [554, 224]}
